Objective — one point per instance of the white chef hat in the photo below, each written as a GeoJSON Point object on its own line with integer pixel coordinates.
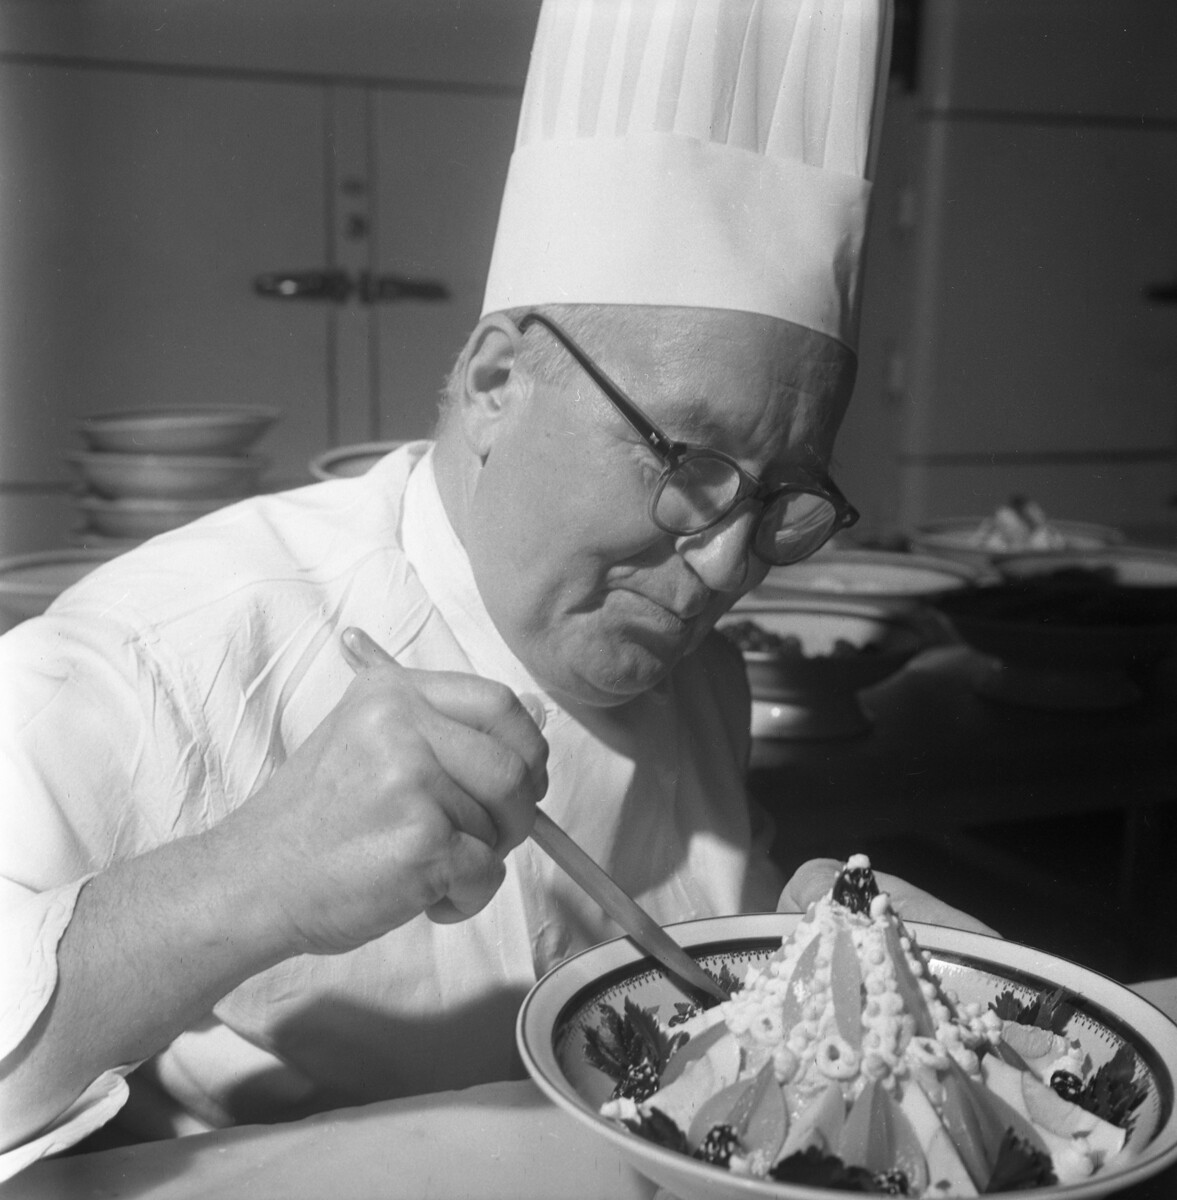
{"type": "Point", "coordinates": [710, 153]}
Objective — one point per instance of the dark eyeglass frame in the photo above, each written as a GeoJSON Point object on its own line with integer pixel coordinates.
{"type": "Point", "coordinates": [674, 453]}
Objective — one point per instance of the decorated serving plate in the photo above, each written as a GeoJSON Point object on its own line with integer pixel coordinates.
{"type": "Point", "coordinates": [1104, 1021]}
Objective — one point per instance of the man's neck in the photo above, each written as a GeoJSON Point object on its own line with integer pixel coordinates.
{"type": "Point", "coordinates": [456, 471]}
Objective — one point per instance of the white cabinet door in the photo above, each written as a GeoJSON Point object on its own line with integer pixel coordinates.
{"type": "Point", "coordinates": [1036, 249]}
{"type": "Point", "coordinates": [1036, 359]}
{"type": "Point", "coordinates": [442, 160]}
{"type": "Point", "coordinates": [135, 210]}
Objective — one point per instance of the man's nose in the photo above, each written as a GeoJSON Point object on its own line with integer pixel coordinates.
{"type": "Point", "coordinates": [722, 555]}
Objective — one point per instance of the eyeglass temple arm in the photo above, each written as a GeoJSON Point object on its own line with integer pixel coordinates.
{"type": "Point", "coordinates": [643, 426]}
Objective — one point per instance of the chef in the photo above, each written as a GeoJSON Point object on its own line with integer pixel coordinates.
{"type": "Point", "coordinates": [249, 868]}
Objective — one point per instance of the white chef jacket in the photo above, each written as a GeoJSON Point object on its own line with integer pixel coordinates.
{"type": "Point", "coordinates": [160, 692]}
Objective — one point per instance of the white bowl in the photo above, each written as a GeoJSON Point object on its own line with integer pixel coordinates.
{"type": "Point", "coordinates": [958, 538]}
{"type": "Point", "coordinates": [552, 1020]}
{"type": "Point", "coordinates": [138, 517]}
{"type": "Point", "coordinates": [212, 429]}
{"type": "Point", "coordinates": [29, 583]}
{"type": "Point", "coordinates": [169, 476]}
{"type": "Point", "coordinates": [892, 577]}
{"type": "Point", "coordinates": [345, 462]}
{"type": "Point", "coordinates": [808, 687]}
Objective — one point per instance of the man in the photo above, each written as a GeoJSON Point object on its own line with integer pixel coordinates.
{"type": "Point", "coordinates": [275, 872]}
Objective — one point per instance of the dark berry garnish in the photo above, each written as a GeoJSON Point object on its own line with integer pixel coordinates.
{"type": "Point", "coordinates": [891, 1183]}
{"type": "Point", "coordinates": [1068, 1085]}
{"type": "Point", "coordinates": [639, 1082]}
{"type": "Point", "coordinates": [719, 1145]}
{"type": "Point", "coordinates": [855, 888]}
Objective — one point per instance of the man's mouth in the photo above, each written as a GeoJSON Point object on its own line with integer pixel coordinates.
{"type": "Point", "coordinates": [676, 618]}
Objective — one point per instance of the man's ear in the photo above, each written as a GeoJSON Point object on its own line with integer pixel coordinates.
{"type": "Point", "coordinates": [490, 383]}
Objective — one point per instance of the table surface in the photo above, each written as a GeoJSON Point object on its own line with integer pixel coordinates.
{"type": "Point", "coordinates": [496, 1142]}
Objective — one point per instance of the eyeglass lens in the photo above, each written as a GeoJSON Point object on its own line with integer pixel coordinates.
{"type": "Point", "coordinates": [793, 526]}
{"type": "Point", "coordinates": [696, 493]}
{"type": "Point", "coordinates": [699, 492]}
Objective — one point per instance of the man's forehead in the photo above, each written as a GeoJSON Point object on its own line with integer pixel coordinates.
{"type": "Point", "coordinates": [745, 404]}
{"type": "Point", "coordinates": [781, 431]}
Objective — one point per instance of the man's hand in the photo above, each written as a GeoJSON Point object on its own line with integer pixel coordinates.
{"type": "Point", "coordinates": [406, 799]}
{"type": "Point", "coordinates": [813, 879]}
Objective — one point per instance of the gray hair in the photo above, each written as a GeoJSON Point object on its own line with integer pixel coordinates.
{"type": "Point", "coordinates": [828, 367]}
{"type": "Point", "coordinates": [541, 358]}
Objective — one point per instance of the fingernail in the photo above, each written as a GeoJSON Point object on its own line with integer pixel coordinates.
{"type": "Point", "coordinates": [535, 708]}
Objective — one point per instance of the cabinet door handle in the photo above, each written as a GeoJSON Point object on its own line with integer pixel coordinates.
{"type": "Point", "coordinates": [304, 285]}
{"type": "Point", "coordinates": [385, 289]}
{"type": "Point", "coordinates": [339, 287]}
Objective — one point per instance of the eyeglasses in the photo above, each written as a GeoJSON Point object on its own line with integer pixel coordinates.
{"type": "Point", "coordinates": [699, 487]}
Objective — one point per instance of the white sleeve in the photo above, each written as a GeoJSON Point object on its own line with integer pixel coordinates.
{"type": "Point", "coordinates": [78, 751]}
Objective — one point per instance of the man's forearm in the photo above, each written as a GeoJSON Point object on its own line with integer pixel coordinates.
{"type": "Point", "coordinates": [153, 944]}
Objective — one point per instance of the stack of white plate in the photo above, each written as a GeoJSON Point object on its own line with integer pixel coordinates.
{"type": "Point", "coordinates": [146, 471]}
{"type": "Point", "coordinates": [344, 462]}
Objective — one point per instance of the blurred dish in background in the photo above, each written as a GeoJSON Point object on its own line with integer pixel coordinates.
{"type": "Point", "coordinates": [807, 662]}
{"type": "Point", "coordinates": [894, 580]}
{"type": "Point", "coordinates": [215, 429]}
{"type": "Point", "coordinates": [138, 517]}
{"type": "Point", "coordinates": [1019, 527]}
{"type": "Point", "coordinates": [151, 470]}
{"type": "Point", "coordinates": [29, 583]}
{"type": "Point", "coordinates": [169, 476]}
{"type": "Point", "coordinates": [345, 462]}
{"type": "Point", "coordinates": [1070, 631]}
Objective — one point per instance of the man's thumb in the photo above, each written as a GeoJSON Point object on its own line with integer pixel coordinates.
{"type": "Point", "coordinates": [361, 652]}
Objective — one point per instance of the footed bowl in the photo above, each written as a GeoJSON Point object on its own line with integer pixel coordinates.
{"type": "Point", "coordinates": [553, 1019]}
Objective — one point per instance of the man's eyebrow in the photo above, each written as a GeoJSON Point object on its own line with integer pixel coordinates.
{"type": "Point", "coordinates": [693, 420]}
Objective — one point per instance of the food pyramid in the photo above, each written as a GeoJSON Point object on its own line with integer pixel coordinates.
{"type": "Point", "coordinates": [842, 1061]}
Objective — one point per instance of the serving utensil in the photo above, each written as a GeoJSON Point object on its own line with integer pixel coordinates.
{"type": "Point", "coordinates": [637, 923]}
{"type": "Point", "coordinates": [641, 928]}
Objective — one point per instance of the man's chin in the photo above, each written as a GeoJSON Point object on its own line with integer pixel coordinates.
{"type": "Point", "coordinates": [608, 685]}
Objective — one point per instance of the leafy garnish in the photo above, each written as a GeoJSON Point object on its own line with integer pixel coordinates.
{"type": "Point", "coordinates": [812, 1168]}
{"type": "Point", "coordinates": [1048, 1010]}
{"type": "Point", "coordinates": [1019, 1165]}
{"type": "Point", "coordinates": [727, 979]}
{"type": "Point", "coordinates": [630, 1048]}
{"type": "Point", "coordinates": [683, 1012]}
{"type": "Point", "coordinates": [1113, 1092]}
{"type": "Point", "coordinates": [658, 1128]}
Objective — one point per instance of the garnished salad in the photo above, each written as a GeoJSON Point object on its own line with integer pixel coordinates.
{"type": "Point", "coordinates": [843, 1062]}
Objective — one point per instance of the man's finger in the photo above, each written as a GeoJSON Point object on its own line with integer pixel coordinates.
{"type": "Point", "coordinates": [482, 768]}
{"type": "Point", "coordinates": [475, 876]}
{"type": "Point", "coordinates": [914, 904]}
{"type": "Point", "coordinates": [810, 882]}
{"type": "Point", "coordinates": [481, 704]}
{"type": "Point", "coordinates": [361, 652]}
